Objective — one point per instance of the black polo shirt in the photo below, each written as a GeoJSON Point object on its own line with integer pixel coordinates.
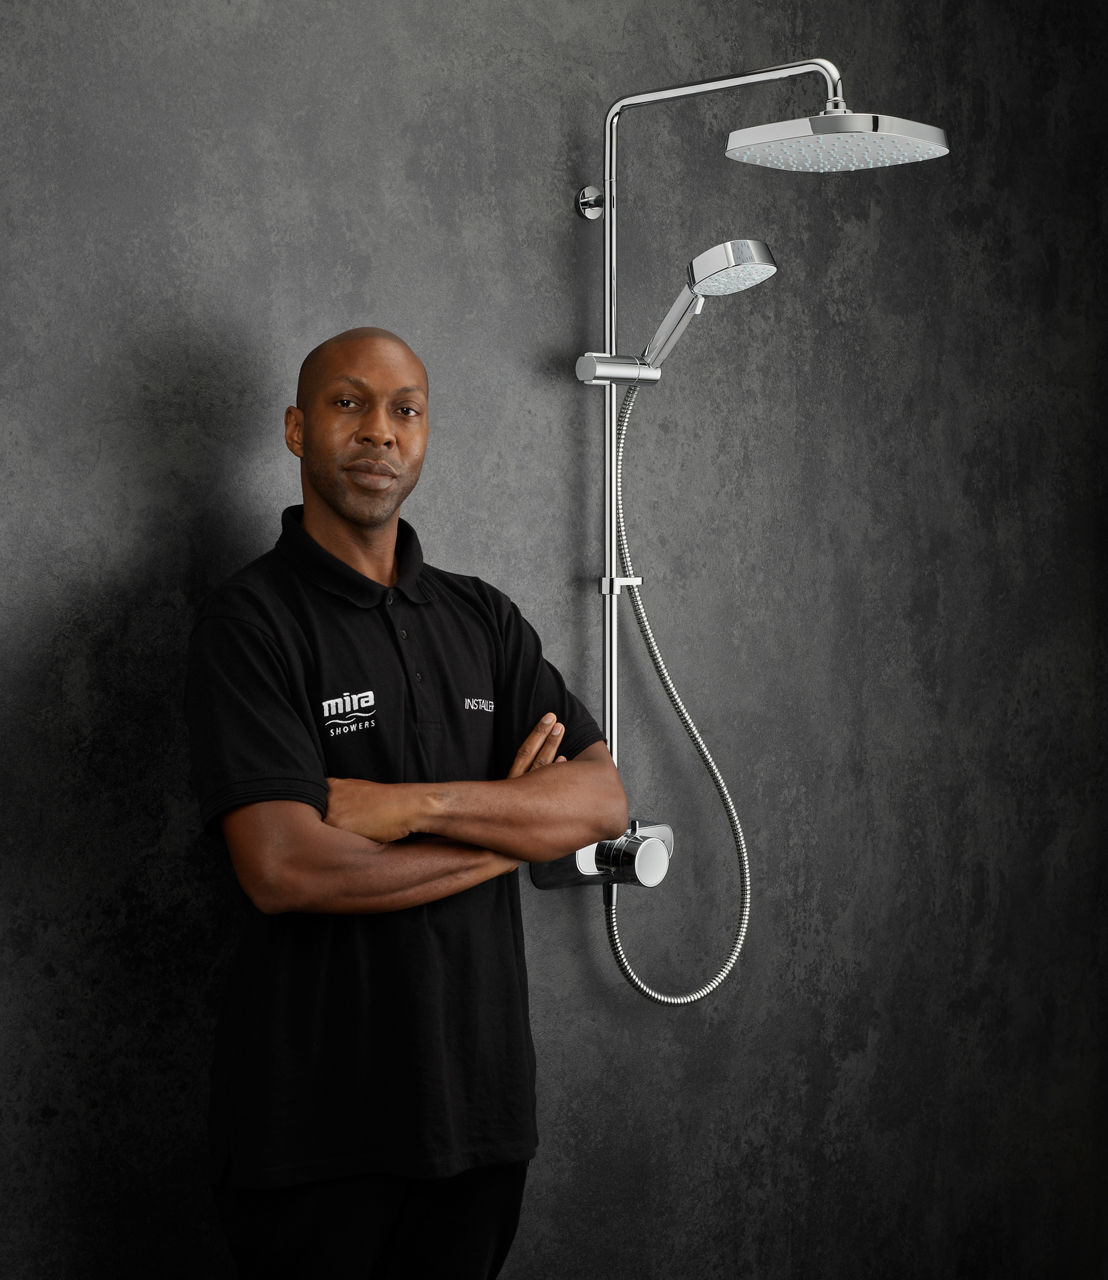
{"type": "Point", "coordinates": [391, 1043]}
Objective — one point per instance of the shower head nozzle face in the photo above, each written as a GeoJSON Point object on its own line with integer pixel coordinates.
{"type": "Point", "coordinates": [729, 267]}
{"type": "Point", "coordinates": [837, 142]}
{"type": "Point", "coordinates": [731, 279]}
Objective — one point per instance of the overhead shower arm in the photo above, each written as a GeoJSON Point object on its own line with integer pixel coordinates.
{"type": "Point", "coordinates": [604, 203]}
{"type": "Point", "coordinates": [593, 203]}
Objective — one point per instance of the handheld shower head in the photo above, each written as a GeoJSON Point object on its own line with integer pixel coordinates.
{"type": "Point", "coordinates": [837, 141]}
{"type": "Point", "coordinates": [725, 268]}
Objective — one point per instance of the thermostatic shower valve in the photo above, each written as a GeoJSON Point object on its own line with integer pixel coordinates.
{"type": "Point", "coordinates": [640, 856]}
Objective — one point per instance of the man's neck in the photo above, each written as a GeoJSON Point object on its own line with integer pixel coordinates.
{"type": "Point", "coordinates": [370, 552]}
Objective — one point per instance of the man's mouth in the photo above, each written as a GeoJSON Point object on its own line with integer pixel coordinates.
{"type": "Point", "coordinates": [368, 474]}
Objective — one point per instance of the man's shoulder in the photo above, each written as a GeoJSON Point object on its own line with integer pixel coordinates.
{"type": "Point", "coordinates": [472, 604]}
{"type": "Point", "coordinates": [467, 588]}
{"type": "Point", "coordinates": [257, 590]}
{"type": "Point", "coordinates": [462, 583]}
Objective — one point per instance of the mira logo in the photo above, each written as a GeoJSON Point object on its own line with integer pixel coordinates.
{"type": "Point", "coordinates": [349, 713]}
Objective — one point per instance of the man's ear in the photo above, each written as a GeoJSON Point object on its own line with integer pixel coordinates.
{"type": "Point", "coordinates": [294, 430]}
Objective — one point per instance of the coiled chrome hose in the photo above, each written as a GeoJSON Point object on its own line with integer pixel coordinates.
{"type": "Point", "coordinates": [697, 741]}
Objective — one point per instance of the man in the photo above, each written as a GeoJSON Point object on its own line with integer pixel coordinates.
{"type": "Point", "coordinates": [372, 738]}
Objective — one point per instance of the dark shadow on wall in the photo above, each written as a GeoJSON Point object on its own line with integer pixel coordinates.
{"type": "Point", "coordinates": [118, 910]}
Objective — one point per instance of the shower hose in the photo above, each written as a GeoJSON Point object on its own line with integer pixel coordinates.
{"type": "Point", "coordinates": [610, 895]}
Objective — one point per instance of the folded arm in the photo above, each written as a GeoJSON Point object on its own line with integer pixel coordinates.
{"type": "Point", "coordinates": [287, 859]}
{"type": "Point", "coordinates": [535, 814]}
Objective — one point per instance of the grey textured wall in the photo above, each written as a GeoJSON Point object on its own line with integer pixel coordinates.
{"type": "Point", "coordinates": [865, 503]}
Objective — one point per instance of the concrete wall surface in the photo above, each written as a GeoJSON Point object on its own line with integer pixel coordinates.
{"type": "Point", "coordinates": [864, 500]}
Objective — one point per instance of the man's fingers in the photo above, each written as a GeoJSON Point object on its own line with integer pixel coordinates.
{"type": "Point", "coordinates": [539, 748]}
{"type": "Point", "coordinates": [549, 750]}
{"type": "Point", "coordinates": [531, 746]}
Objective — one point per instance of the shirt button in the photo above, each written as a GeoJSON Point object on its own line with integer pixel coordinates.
{"type": "Point", "coordinates": [403, 634]}
{"type": "Point", "coordinates": [419, 678]}
{"type": "Point", "coordinates": [389, 598]}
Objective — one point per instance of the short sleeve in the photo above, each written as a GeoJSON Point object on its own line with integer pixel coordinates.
{"type": "Point", "coordinates": [250, 730]}
{"type": "Point", "coordinates": [531, 686]}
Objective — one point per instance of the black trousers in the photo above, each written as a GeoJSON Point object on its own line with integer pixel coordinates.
{"type": "Point", "coordinates": [376, 1227]}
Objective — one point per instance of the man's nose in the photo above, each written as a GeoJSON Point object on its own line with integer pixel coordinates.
{"type": "Point", "coordinates": [376, 428]}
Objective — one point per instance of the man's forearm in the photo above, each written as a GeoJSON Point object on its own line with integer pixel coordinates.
{"type": "Point", "coordinates": [397, 876]}
{"type": "Point", "coordinates": [286, 859]}
{"type": "Point", "coordinates": [535, 817]}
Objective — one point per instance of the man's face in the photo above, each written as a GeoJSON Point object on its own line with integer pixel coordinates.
{"type": "Point", "coordinates": [360, 430]}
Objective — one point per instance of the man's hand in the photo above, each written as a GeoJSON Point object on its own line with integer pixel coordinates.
{"type": "Point", "coordinates": [539, 748]}
{"type": "Point", "coordinates": [380, 811]}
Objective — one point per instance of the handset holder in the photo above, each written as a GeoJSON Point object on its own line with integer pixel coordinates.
{"type": "Point", "coordinates": [640, 856]}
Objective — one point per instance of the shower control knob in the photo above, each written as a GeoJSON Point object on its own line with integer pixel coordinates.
{"type": "Point", "coordinates": [634, 859]}
{"type": "Point", "coordinates": [640, 856]}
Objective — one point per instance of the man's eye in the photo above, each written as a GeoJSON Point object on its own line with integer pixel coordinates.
{"type": "Point", "coordinates": [408, 410]}
{"type": "Point", "coordinates": [344, 403]}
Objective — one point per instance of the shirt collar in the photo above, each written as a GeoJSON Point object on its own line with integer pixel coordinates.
{"type": "Point", "coordinates": [334, 575]}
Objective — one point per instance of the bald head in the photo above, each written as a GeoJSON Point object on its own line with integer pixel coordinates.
{"type": "Point", "coordinates": [359, 428]}
{"type": "Point", "coordinates": [318, 360]}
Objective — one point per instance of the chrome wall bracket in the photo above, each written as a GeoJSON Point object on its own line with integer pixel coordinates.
{"type": "Point", "coordinates": [590, 203]}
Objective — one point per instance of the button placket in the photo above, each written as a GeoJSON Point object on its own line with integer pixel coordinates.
{"type": "Point", "coordinates": [407, 647]}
